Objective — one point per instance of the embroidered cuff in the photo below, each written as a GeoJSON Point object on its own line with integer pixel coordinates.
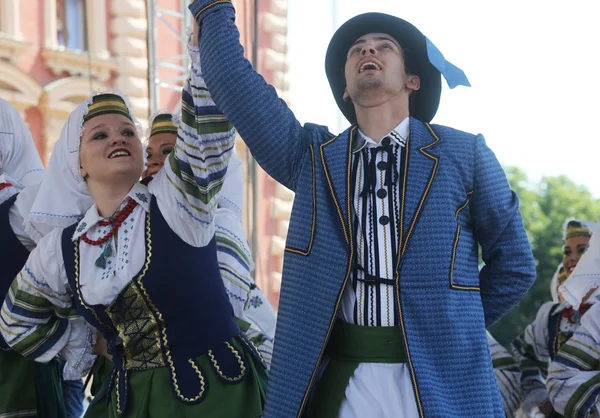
{"type": "Point", "coordinates": [200, 7]}
{"type": "Point", "coordinates": [85, 360]}
{"type": "Point", "coordinates": [193, 51]}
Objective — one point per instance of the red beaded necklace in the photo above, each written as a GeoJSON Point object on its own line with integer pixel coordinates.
{"type": "Point", "coordinates": [573, 315]}
{"type": "Point", "coordinates": [5, 185]}
{"type": "Point", "coordinates": [116, 220]}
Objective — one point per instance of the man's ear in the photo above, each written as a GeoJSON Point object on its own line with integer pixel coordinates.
{"type": "Point", "coordinates": [346, 96]}
{"type": "Point", "coordinates": [413, 83]}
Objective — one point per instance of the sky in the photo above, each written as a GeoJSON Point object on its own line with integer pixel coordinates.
{"type": "Point", "coordinates": [533, 66]}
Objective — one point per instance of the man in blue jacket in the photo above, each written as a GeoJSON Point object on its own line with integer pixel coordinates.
{"type": "Point", "coordinates": [383, 309]}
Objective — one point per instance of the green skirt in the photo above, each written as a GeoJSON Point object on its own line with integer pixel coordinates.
{"type": "Point", "coordinates": [29, 389]}
{"type": "Point", "coordinates": [151, 396]}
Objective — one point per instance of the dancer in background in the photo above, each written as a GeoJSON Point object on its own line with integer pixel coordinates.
{"type": "Point", "coordinates": [554, 324]}
{"type": "Point", "coordinates": [574, 375]}
{"type": "Point", "coordinates": [27, 389]}
{"type": "Point", "coordinates": [508, 376]}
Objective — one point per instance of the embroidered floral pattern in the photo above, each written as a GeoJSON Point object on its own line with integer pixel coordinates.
{"type": "Point", "coordinates": [256, 301]}
{"type": "Point", "coordinates": [142, 197]}
{"type": "Point", "coordinates": [81, 226]}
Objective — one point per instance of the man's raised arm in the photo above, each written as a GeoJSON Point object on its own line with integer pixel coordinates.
{"type": "Point", "coordinates": [269, 128]}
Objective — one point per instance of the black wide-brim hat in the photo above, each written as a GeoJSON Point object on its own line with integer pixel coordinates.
{"type": "Point", "coordinates": [425, 101]}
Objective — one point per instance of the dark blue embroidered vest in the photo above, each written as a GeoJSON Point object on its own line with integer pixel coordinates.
{"type": "Point", "coordinates": [13, 254]}
{"type": "Point", "coordinates": [556, 337]}
{"type": "Point", "coordinates": [173, 311]}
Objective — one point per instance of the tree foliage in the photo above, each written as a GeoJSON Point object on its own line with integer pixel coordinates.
{"type": "Point", "coordinates": [544, 206]}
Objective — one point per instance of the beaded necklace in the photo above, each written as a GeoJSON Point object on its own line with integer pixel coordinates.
{"type": "Point", "coordinates": [574, 316]}
{"type": "Point", "coordinates": [116, 220]}
{"type": "Point", "coordinates": [5, 185]}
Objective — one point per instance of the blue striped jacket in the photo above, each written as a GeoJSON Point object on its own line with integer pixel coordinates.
{"type": "Point", "coordinates": [455, 197]}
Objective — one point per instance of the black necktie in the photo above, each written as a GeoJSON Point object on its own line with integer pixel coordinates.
{"type": "Point", "coordinates": [371, 167]}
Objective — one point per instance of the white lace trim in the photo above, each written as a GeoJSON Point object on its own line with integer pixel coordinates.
{"type": "Point", "coordinates": [86, 360]}
{"type": "Point", "coordinates": [194, 51]}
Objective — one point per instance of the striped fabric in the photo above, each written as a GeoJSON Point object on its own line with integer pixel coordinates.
{"type": "Point", "coordinates": [508, 376]}
{"type": "Point", "coordinates": [532, 351]}
{"type": "Point", "coordinates": [574, 375]}
{"type": "Point", "coordinates": [34, 318]}
{"type": "Point", "coordinates": [376, 185]}
{"type": "Point", "coordinates": [163, 123]}
{"type": "Point", "coordinates": [196, 167]}
{"type": "Point", "coordinates": [534, 348]}
{"type": "Point", "coordinates": [104, 104]}
{"type": "Point", "coordinates": [236, 265]}
{"type": "Point", "coordinates": [576, 228]}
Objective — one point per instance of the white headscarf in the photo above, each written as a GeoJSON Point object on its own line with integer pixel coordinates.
{"type": "Point", "coordinates": [63, 197]}
{"type": "Point", "coordinates": [584, 224]}
{"type": "Point", "coordinates": [20, 163]}
{"type": "Point", "coordinates": [19, 159]}
{"type": "Point", "coordinates": [586, 274]}
{"type": "Point", "coordinates": [554, 284]}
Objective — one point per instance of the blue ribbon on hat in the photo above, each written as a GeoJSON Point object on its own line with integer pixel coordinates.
{"type": "Point", "coordinates": [454, 76]}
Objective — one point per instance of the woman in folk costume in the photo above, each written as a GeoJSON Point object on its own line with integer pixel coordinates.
{"type": "Point", "coordinates": [574, 375]}
{"type": "Point", "coordinates": [27, 389]}
{"type": "Point", "coordinates": [508, 376]}
{"type": "Point", "coordinates": [554, 324]}
{"type": "Point", "coordinates": [250, 305]}
{"type": "Point", "coordinates": [141, 265]}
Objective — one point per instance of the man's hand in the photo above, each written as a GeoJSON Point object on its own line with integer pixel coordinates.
{"type": "Point", "coordinates": [195, 34]}
{"type": "Point", "coordinates": [546, 408]}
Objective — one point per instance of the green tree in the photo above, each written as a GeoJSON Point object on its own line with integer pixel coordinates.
{"type": "Point", "coordinates": [544, 207]}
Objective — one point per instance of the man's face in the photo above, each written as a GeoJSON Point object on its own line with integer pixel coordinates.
{"type": "Point", "coordinates": [375, 63]}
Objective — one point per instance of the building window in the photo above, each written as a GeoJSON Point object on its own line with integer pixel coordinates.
{"type": "Point", "coordinates": [71, 24]}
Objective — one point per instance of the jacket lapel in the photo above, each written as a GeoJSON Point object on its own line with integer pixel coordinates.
{"type": "Point", "coordinates": [420, 167]}
{"type": "Point", "coordinates": [336, 157]}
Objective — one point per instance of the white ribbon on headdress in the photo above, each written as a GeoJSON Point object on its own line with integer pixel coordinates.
{"type": "Point", "coordinates": [63, 197]}
{"type": "Point", "coordinates": [19, 158]}
{"type": "Point", "coordinates": [586, 275]}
